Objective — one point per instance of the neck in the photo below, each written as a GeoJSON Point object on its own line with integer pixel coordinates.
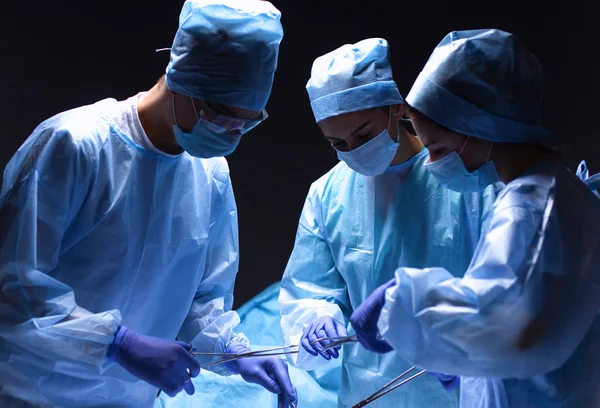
{"type": "Point", "coordinates": [512, 160]}
{"type": "Point", "coordinates": [156, 115]}
{"type": "Point", "coordinates": [409, 146]}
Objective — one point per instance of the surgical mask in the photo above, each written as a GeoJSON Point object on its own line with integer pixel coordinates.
{"type": "Point", "coordinates": [206, 139]}
{"type": "Point", "coordinates": [373, 157]}
{"type": "Point", "coordinates": [450, 171]}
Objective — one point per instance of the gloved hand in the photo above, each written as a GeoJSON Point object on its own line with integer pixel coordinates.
{"type": "Point", "coordinates": [161, 363]}
{"type": "Point", "coordinates": [324, 326]}
{"type": "Point", "coordinates": [269, 372]}
{"type": "Point", "coordinates": [449, 382]}
{"type": "Point", "coordinates": [364, 320]}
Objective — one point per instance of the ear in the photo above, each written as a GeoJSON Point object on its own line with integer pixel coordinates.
{"type": "Point", "coordinates": [398, 111]}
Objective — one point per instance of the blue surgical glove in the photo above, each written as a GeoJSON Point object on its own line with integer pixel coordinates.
{"type": "Point", "coordinates": [449, 382]}
{"type": "Point", "coordinates": [324, 326]}
{"type": "Point", "coordinates": [161, 363]}
{"type": "Point", "coordinates": [269, 372]}
{"type": "Point", "coordinates": [364, 320]}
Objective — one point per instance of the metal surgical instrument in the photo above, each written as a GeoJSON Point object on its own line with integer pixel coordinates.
{"type": "Point", "coordinates": [389, 387]}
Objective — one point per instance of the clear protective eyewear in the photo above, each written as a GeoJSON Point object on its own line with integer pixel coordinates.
{"type": "Point", "coordinates": [223, 121]}
{"type": "Point", "coordinates": [217, 116]}
{"type": "Point", "coordinates": [408, 126]}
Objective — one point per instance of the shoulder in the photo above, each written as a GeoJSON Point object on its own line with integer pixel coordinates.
{"type": "Point", "coordinates": [66, 142]}
{"type": "Point", "coordinates": [537, 187]}
{"type": "Point", "coordinates": [333, 181]}
{"type": "Point", "coordinates": [81, 131]}
{"type": "Point", "coordinates": [215, 169]}
{"type": "Point", "coordinates": [548, 193]}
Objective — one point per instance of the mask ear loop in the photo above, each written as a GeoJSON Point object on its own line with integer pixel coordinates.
{"type": "Point", "coordinates": [173, 109]}
{"type": "Point", "coordinates": [390, 124]}
{"type": "Point", "coordinates": [195, 110]}
{"type": "Point", "coordinates": [463, 146]}
{"type": "Point", "coordinates": [489, 153]}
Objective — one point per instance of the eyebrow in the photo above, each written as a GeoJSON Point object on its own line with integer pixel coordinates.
{"type": "Point", "coordinates": [331, 139]}
{"type": "Point", "coordinates": [361, 127]}
{"type": "Point", "coordinates": [355, 131]}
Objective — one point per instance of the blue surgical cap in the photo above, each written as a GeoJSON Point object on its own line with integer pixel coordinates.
{"type": "Point", "coordinates": [351, 78]}
{"type": "Point", "coordinates": [483, 83]}
{"type": "Point", "coordinates": [225, 51]}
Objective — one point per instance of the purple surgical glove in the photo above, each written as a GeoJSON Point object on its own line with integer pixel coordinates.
{"type": "Point", "coordinates": [165, 364]}
{"type": "Point", "coordinates": [364, 320]}
{"type": "Point", "coordinates": [269, 372]}
{"type": "Point", "coordinates": [324, 326]}
{"type": "Point", "coordinates": [449, 382]}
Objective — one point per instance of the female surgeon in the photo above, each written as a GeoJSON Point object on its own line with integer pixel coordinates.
{"type": "Point", "coordinates": [521, 326]}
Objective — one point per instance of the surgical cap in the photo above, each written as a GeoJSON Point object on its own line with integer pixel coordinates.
{"type": "Point", "coordinates": [351, 78]}
{"type": "Point", "coordinates": [483, 83]}
{"type": "Point", "coordinates": [225, 51]}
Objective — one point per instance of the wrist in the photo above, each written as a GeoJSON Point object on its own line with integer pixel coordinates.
{"type": "Point", "coordinates": [450, 385]}
{"type": "Point", "coordinates": [232, 366]}
{"type": "Point", "coordinates": [118, 343]}
{"type": "Point", "coordinates": [235, 348]}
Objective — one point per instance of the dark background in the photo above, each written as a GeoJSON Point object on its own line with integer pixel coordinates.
{"type": "Point", "coordinates": [58, 55]}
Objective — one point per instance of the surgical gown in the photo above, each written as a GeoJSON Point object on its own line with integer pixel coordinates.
{"type": "Point", "coordinates": [260, 323]}
{"type": "Point", "coordinates": [353, 234]}
{"type": "Point", "coordinates": [521, 325]}
{"type": "Point", "coordinates": [97, 232]}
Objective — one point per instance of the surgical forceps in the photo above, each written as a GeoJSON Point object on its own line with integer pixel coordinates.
{"type": "Point", "coordinates": [389, 387]}
{"type": "Point", "coordinates": [336, 341]}
{"type": "Point", "coordinates": [274, 351]}
{"type": "Point", "coordinates": [231, 356]}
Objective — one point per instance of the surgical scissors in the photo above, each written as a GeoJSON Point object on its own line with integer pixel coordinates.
{"type": "Point", "coordinates": [389, 387]}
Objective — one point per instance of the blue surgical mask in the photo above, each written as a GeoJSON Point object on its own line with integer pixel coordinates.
{"type": "Point", "coordinates": [450, 171]}
{"type": "Point", "coordinates": [206, 139]}
{"type": "Point", "coordinates": [373, 157]}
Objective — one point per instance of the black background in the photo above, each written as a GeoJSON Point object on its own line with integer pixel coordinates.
{"type": "Point", "coordinates": [58, 55]}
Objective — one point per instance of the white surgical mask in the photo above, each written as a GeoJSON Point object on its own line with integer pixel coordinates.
{"type": "Point", "coordinates": [373, 157]}
{"type": "Point", "coordinates": [450, 171]}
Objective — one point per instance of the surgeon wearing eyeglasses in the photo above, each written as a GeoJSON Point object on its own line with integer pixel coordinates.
{"type": "Point", "coordinates": [119, 234]}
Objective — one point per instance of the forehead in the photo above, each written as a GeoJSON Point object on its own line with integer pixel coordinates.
{"type": "Point", "coordinates": [345, 124]}
{"type": "Point", "coordinates": [427, 130]}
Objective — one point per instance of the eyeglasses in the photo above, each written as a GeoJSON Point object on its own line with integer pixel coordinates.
{"type": "Point", "coordinates": [219, 117]}
{"type": "Point", "coordinates": [408, 126]}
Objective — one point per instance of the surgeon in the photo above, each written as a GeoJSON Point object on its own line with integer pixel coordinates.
{"type": "Point", "coordinates": [520, 324]}
{"type": "Point", "coordinates": [119, 234]}
{"type": "Point", "coordinates": [376, 210]}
